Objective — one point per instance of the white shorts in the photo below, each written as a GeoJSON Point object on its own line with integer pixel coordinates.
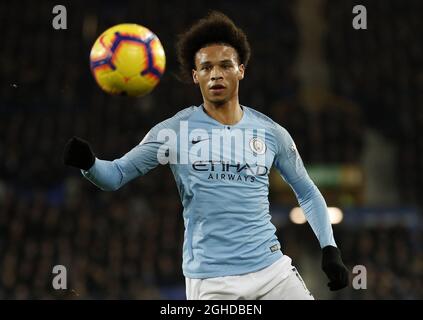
{"type": "Point", "coordinates": [279, 281]}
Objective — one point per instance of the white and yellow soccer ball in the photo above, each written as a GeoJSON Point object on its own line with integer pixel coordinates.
{"type": "Point", "coordinates": [127, 59]}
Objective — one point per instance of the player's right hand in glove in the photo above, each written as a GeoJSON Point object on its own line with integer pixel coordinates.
{"type": "Point", "coordinates": [334, 268]}
{"type": "Point", "coordinates": [78, 154]}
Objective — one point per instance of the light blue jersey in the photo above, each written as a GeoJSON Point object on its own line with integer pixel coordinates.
{"type": "Point", "coordinates": [224, 191]}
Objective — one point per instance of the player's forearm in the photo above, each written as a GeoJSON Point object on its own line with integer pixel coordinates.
{"type": "Point", "coordinates": [107, 175]}
{"type": "Point", "coordinates": [315, 210]}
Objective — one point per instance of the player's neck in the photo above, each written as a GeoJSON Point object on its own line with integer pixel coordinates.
{"type": "Point", "coordinates": [229, 113]}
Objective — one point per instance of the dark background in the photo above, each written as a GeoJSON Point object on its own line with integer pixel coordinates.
{"type": "Point", "coordinates": [351, 99]}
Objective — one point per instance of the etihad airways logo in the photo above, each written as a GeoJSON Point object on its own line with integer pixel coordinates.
{"type": "Point", "coordinates": [228, 145]}
{"type": "Point", "coordinates": [221, 170]}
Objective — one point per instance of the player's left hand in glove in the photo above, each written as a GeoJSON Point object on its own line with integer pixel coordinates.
{"type": "Point", "coordinates": [78, 154]}
{"type": "Point", "coordinates": [334, 268]}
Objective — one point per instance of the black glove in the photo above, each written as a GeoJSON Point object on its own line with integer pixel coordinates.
{"type": "Point", "coordinates": [78, 154]}
{"type": "Point", "coordinates": [334, 268]}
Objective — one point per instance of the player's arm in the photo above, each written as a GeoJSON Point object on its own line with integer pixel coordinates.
{"type": "Point", "coordinates": [111, 175]}
{"type": "Point", "coordinates": [288, 162]}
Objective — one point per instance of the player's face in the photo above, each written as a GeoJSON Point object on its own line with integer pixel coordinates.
{"type": "Point", "coordinates": [218, 73]}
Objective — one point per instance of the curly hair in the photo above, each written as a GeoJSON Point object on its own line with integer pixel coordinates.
{"type": "Point", "coordinates": [215, 28]}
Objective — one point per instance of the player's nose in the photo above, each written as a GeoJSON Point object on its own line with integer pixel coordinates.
{"type": "Point", "coordinates": [216, 74]}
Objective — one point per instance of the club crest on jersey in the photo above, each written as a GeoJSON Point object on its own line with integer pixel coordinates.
{"type": "Point", "coordinates": [257, 145]}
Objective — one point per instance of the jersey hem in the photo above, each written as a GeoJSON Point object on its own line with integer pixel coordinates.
{"type": "Point", "coordinates": [235, 272]}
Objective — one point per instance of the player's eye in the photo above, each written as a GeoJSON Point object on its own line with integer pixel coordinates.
{"type": "Point", "coordinates": [226, 65]}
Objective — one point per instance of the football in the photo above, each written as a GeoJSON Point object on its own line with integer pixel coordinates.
{"type": "Point", "coordinates": [127, 59]}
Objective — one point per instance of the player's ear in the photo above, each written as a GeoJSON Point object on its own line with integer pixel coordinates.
{"type": "Point", "coordinates": [241, 71]}
{"type": "Point", "coordinates": [194, 76]}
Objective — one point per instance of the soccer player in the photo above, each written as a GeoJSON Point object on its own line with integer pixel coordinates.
{"type": "Point", "coordinates": [230, 248]}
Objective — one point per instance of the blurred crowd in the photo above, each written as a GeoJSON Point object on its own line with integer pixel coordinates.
{"type": "Point", "coordinates": [128, 244]}
{"type": "Point", "coordinates": [381, 69]}
{"type": "Point", "coordinates": [392, 257]}
{"type": "Point", "coordinates": [125, 248]}
{"type": "Point", "coordinates": [112, 247]}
